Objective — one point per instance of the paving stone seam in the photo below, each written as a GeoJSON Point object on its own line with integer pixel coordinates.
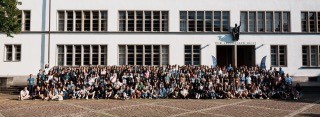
{"type": "Point", "coordinates": [216, 107]}
{"type": "Point", "coordinates": [303, 108]}
{"type": "Point", "coordinates": [257, 107]}
{"type": "Point", "coordinates": [89, 109]}
{"type": "Point", "coordinates": [28, 107]}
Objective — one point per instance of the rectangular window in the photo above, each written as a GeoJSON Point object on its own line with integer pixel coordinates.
{"type": "Point", "coordinates": [86, 21]}
{"type": "Point", "coordinates": [156, 20]}
{"type": "Point", "coordinates": [82, 55]}
{"type": "Point", "coordinates": [277, 21]}
{"type": "Point", "coordinates": [82, 20]}
{"type": "Point", "coordinates": [147, 21]}
{"type": "Point", "coordinates": [78, 57]}
{"type": "Point", "coordinates": [60, 55]}
{"type": "Point", "coordinates": [78, 20]}
{"type": "Point", "coordinates": [192, 54]}
{"type": "Point", "coordinates": [25, 20]}
{"type": "Point", "coordinates": [208, 20]}
{"type": "Point", "coordinates": [61, 19]}
{"type": "Point", "coordinates": [122, 21]}
{"type": "Point", "coordinates": [252, 21]}
{"type": "Point", "coordinates": [143, 54]}
{"type": "Point", "coordinates": [225, 21]}
{"type": "Point", "coordinates": [69, 20]}
{"type": "Point", "coordinates": [285, 21]}
{"type": "Point", "coordinates": [104, 20]}
{"type": "Point", "coordinates": [244, 22]}
{"type": "Point", "coordinates": [278, 55]}
{"type": "Point", "coordinates": [12, 53]}
{"type": "Point", "coordinates": [95, 20]}
{"type": "Point", "coordinates": [143, 21]}
{"type": "Point", "coordinates": [269, 21]}
{"type": "Point", "coordinates": [217, 21]}
{"type": "Point", "coordinates": [95, 54]}
{"type": "Point", "coordinates": [310, 55]}
{"type": "Point", "coordinates": [139, 21]}
{"type": "Point", "coordinates": [261, 21]}
{"type": "Point", "coordinates": [201, 21]}
{"type": "Point", "coordinates": [310, 21]}
{"type": "Point", "coordinates": [183, 21]}
{"type": "Point", "coordinates": [164, 20]}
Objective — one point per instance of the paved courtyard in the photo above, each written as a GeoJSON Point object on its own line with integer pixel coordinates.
{"type": "Point", "coordinates": [309, 106]}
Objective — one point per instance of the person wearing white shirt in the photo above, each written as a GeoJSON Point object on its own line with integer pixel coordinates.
{"type": "Point", "coordinates": [24, 94]}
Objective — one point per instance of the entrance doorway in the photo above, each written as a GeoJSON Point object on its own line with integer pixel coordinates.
{"type": "Point", "coordinates": [246, 55]}
{"type": "Point", "coordinates": [225, 55]}
{"type": "Point", "coordinates": [236, 55]}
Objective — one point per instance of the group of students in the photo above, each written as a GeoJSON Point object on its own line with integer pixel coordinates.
{"type": "Point", "coordinates": [154, 82]}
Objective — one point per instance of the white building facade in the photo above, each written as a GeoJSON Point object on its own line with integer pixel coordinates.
{"type": "Point", "coordinates": [160, 32]}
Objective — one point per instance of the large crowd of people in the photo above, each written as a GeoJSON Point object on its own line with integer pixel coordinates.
{"type": "Point", "coordinates": [156, 82]}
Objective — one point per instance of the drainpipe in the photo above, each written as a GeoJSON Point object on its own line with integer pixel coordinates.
{"type": "Point", "coordinates": [49, 33]}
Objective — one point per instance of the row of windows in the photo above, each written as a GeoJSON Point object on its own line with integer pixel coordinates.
{"type": "Point", "coordinates": [201, 21]}
{"type": "Point", "coordinates": [262, 21]}
{"type": "Point", "coordinates": [82, 20]}
{"type": "Point", "coordinates": [71, 55]}
{"type": "Point", "coordinates": [310, 21]}
{"type": "Point", "coordinates": [143, 21]}
{"type": "Point", "coordinates": [143, 54]}
{"type": "Point", "coordinates": [190, 21]}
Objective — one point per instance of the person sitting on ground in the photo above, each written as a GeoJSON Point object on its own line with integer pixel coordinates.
{"type": "Point", "coordinates": [24, 94]}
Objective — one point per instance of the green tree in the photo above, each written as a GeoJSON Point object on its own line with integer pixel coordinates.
{"type": "Point", "coordinates": [9, 17]}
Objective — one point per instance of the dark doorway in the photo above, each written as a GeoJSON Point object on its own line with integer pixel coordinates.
{"type": "Point", "coordinates": [225, 55]}
{"type": "Point", "coordinates": [246, 55]}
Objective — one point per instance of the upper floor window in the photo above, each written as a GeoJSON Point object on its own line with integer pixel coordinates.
{"type": "Point", "coordinates": [201, 21]}
{"type": "Point", "coordinates": [265, 21]}
{"type": "Point", "coordinates": [311, 55]}
{"type": "Point", "coordinates": [12, 53]}
{"type": "Point", "coordinates": [310, 21]}
{"type": "Point", "coordinates": [144, 21]}
{"type": "Point", "coordinates": [25, 20]}
{"type": "Point", "coordinates": [82, 20]}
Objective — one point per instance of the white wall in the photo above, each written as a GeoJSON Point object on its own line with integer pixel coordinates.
{"type": "Point", "coordinates": [31, 42]}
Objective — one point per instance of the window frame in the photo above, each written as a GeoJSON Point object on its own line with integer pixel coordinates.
{"type": "Point", "coordinates": [13, 53]}
{"type": "Point", "coordinates": [278, 56]}
{"type": "Point", "coordinates": [144, 19]}
{"type": "Point", "coordinates": [309, 53]}
{"type": "Point", "coordinates": [152, 53]}
{"type": "Point", "coordinates": [307, 20]}
{"type": "Point", "coordinates": [192, 53]}
{"type": "Point", "coordinates": [265, 21]}
{"type": "Point", "coordinates": [74, 20]}
{"type": "Point", "coordinates": [64, 61]}
{"type": "Point", "coordinates": [204, 20]}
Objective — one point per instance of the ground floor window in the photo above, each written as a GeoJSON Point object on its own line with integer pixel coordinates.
{"type": "Point", "coordinates": [143, 54]}
{"type": "Point", "coordinates": [278, 55]}
{"type": "Point", "coordinates": [12, 53]}
{"type": "Point", "coordinates": [192, 54]}
{"type": "Point", "coordinates": [76, 55]}
{"type": "Point", "coordinates": [310, 55]}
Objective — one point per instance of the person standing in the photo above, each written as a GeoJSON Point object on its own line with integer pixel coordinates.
{"type": "Point", "coordinates": [30, 84]}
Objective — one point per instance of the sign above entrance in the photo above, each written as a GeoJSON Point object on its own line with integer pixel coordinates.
{"type": "Point", "coordinates": [235, 43]}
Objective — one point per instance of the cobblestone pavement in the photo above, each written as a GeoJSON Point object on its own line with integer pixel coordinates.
{"type": "Point", "coordinates": [309, 106]}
